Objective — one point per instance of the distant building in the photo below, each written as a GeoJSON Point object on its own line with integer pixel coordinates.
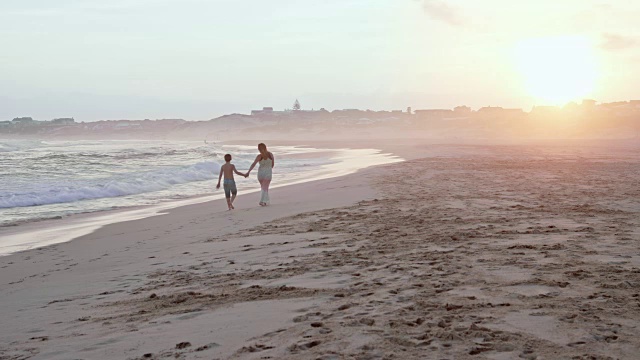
{"type": "Point", "coordinates": [571, 106]}
{"type": "Point", "coordinates": [499, 112]}
{"type": "Point", "coordinates": [463, 109]}
{"type": "Point", "coordinates": [63, 121]}
{"type": "Point", "coordinates": [265, 111]}
{"type": "Point", "coordinates": [22, 120]}
{"type": "Point", "coordinates": [434, 113]}
{"type": "Point", "coordinates": [490, 110]}
{"type": "Point", "coordinates": [348, 113]}
{"type": "Point", "coordinates": [615, 104]}
{"type": "Point", "coordinates": [545, 110]}
{"type": "Point", "coordinates": [620, 108]}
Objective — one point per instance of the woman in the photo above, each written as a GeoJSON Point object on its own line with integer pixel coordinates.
{"type": "Point", "coordinates": [266, 162]}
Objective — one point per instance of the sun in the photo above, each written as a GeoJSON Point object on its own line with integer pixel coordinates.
{"type": "Point", "coordinates": [557, 70]}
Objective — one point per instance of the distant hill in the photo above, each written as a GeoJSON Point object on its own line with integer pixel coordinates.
{"type": "Point", "coordinates": [586, 120]}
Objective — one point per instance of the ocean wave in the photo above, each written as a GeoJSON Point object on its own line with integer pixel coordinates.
{"type": "Point", "coordinates": [22, 145]}
{"type": "Point", "coordinates": [83, 156]}
{"type": "Point", "coordinates": [121, 185]}
{"type": "Point", "coordinates": [145, 154]}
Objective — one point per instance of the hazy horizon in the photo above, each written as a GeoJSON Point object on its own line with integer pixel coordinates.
{"type": "Point", "coordinates": [199, 59]}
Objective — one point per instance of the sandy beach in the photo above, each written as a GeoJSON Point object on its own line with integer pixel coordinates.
{"type": "Point", "coordinates": [461, 252]}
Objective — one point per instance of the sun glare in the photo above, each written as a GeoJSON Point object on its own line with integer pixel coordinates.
{"type": "Point", "coordinates": [557, 70]}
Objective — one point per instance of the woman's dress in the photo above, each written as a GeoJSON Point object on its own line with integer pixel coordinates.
{"type": "Point", "coordinates": [264, 177]}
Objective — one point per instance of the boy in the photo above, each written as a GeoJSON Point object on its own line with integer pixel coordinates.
{"type": "Point", "coordinates": [229, 183]}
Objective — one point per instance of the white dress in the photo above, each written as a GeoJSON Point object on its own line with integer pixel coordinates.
{"type": "Point", "coordinates": [265, 169]}
{"type": "Point", "coordinates": [264, 176]}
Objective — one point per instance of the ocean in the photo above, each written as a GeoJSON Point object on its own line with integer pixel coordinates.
{"type": "Point", "coordinates": [42, 180]}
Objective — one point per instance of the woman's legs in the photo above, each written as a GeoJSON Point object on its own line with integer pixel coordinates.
{"type": "Point", "coordinates": [264, 185]}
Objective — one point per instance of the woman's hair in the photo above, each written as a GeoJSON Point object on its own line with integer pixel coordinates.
{"type": "Point", "coordinates": [263, 150]}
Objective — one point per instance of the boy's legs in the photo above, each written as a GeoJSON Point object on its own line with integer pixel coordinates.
{"type": "Point", "coordinates": [234, 193]}
{"type": "Point", "coordinates": [227, 195]}
{"type": "Point", "coordinates": [230, 191]}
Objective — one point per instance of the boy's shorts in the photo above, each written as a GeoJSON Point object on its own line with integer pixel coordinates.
{"type": "Point", "coordinates": [229, 188]}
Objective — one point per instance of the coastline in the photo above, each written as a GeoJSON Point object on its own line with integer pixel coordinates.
{"type": "Point", "coordinates": [52, 231]}
{"type": "Point", "coordinates": [462, 252]}
{"type": "Point", "coordinates": [89, 266]}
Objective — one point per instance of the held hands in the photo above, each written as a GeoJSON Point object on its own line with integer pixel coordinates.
{"type": "Point", "coordinates": [246, 175]}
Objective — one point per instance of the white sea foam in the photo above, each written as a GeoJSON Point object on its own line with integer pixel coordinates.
{"type": "Point", "coordinates": [119, 185]}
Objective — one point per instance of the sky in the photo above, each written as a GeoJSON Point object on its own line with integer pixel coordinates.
{"type": "Point", "coordinates": [199, 59]}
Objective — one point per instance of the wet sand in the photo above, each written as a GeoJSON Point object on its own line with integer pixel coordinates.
{"type": "Point", "coordinates": [463, 252]}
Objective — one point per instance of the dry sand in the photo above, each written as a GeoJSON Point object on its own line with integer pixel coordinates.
{"type": "Point", "coordinates": [473, 252]}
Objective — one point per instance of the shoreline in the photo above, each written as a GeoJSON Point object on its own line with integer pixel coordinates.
{"type": "Point", "coordinates": [475, 253]}
{"type": "Point", "coordinates": [17, 238]}
{"type": "Point", "coordinates": [58, 275]}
